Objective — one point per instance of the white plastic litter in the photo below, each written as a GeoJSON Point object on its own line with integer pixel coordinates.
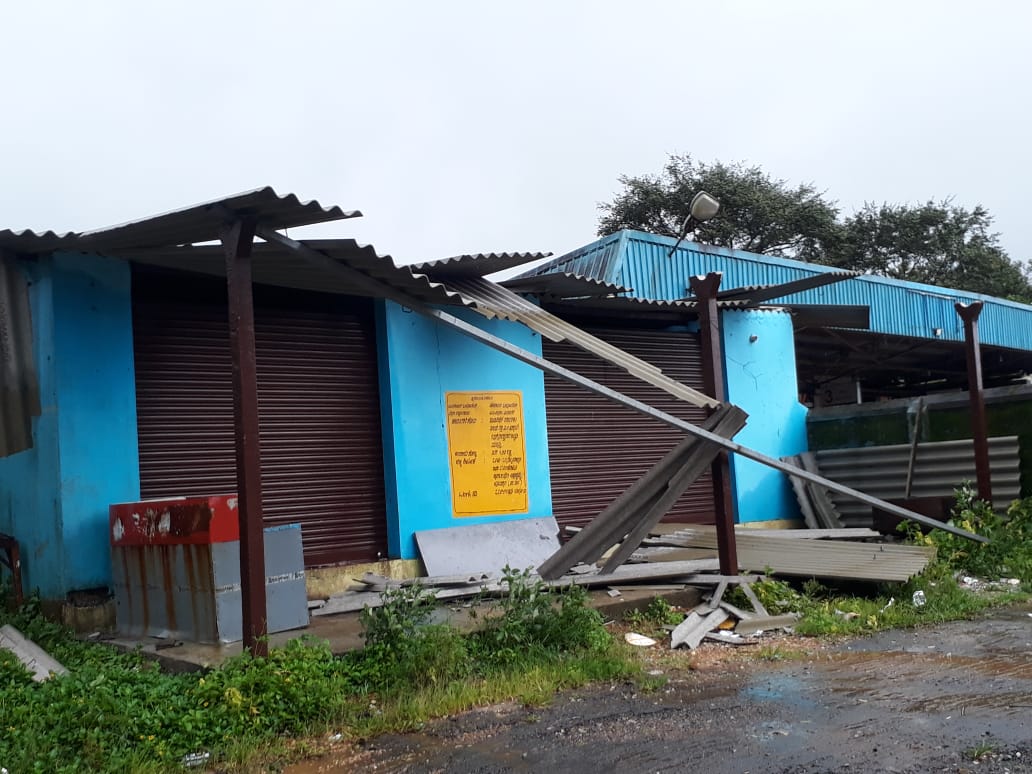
{"type": "Point", "coordinates": [193, 760]}
{"type": "Point", "coordinates": [919, 598]}
{"type": "Point", "coordinates": [639, 640]}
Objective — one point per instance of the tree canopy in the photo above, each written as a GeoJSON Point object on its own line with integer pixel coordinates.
{"type": "Point", "coordinates": [938, 242]}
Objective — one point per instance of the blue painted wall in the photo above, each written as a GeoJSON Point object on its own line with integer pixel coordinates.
{"type": "Point", "coordinates": [29, 504]}
{"type": "Point", "coordinates": [99, 456]}
{"type": "Point", "coordinates": [760, 377]}
{"type": "Point", "coordinates": [420, 360]}
{"type": "Point", "coordinates": [54, 496]}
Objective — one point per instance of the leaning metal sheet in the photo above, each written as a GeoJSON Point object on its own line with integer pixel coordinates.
{"type": "Point", "coordinates": [487, 548]}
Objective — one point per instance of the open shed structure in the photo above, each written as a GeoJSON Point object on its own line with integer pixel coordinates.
{"type": "Point", "coordinates": [327, 386]}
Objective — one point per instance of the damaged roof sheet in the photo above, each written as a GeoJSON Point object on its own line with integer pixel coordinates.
{"type": "Point", "coordinates": [477, 264]}
{"type": "Point", "coordinates": [564, 285]}
{"type": "Point", "coordinates": [493, 301]}
{"type": "Point", "coordinates": [197, 223]}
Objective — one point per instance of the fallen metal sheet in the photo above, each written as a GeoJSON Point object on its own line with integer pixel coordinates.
{"type": "Point", "coordinates": [842, 533]}
{"type": "Point", "coordinates": [939, 468]}
{"type": "Point", "coordinates": [822, 558]}
{"type": "Point", "coordinates": [352, 601]}
{"type": "Point", "coordinates": [35, 659]}
{"type": "Point", "coordinates": [487, 548]}
{"type": "Point", "coordinates": [755, 624]}
{"type": "Point", "coordinates": [630, 517]}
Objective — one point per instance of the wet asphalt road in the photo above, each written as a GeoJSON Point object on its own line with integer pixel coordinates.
{"type": "Point", "coordinates": [913, 701]}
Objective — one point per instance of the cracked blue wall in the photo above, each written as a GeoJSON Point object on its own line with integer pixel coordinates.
{"type": "Point", "coordinates": [761, 378]}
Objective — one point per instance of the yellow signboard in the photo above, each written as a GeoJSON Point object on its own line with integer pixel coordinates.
{"type": "Point", "coordinates": [487, 452]}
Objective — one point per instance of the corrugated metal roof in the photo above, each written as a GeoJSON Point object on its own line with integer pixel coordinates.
{"type": "Point", "coordinates": [19, 386]}
{"type": "Point", "coordinates": [197, 223]}
{"type": "Point", "coordinates": [276, 265]}
{"type": "Point", "coordinates": [563, 285]}
{"type": "Point", "coordinates": [476, 265]}
{"type": "Point", "coordinates": [639, 260]}
{"type": "Point", "coordinates": [758, 293]}
{"type": "Point", "coordinates": [940, 467]}
{"type": "Point", "coordinates": [818, 558]}
{"type": "Point", "coordinates": [493, 300]}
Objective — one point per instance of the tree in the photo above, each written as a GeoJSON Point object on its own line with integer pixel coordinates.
{"type": "Point", "coordinates": [758, 213]}
{"type": "Point", "coordinates": [938, 243]}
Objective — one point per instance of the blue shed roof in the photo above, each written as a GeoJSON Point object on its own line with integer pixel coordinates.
{"type": "Point", "coordinates": [639, 261]}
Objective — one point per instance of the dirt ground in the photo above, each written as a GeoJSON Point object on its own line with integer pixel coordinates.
{"type": "Point", "coordinates": [926, 700]}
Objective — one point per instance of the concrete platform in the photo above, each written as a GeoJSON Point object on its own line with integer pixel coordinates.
{"type": "Point", "coordinates": [344, 632]}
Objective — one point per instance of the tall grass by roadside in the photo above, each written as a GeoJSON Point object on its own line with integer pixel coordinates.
{"type": "Point", "coordinates": [119, 712]}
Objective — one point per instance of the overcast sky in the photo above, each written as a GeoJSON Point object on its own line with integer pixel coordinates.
{"type": "Point", "coordinates": [487, 126]}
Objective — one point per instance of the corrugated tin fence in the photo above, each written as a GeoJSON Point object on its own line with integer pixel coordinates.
{"type": "Point", "coordinates": [19, 388]}
{"type": "Point", "coordinates": [940, 467]}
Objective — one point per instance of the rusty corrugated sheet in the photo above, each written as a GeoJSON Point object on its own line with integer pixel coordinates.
{"type": "Point", "coordinates": [940, 467]}
{"type": "Point", "coordinates": [476, 265]}
{"type": "Point", "coordinates": [197, 223]}
{"type": "Point", "coordinates": [494, 301]}
{"type": "Point", "coordinates": [19, 384]}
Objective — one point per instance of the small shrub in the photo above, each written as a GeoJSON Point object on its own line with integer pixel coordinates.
{"type": "Point", "coordinates": [1008, 552]}
{"type": "Point", "coordinates": [537, 618]}
{"type": "Point", "coordinates": [657, 613]}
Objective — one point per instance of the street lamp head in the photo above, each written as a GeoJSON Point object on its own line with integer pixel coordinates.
{"type": "Point", "coordinates": [703, 207]}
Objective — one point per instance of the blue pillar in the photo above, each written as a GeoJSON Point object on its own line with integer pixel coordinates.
{"type": "Point", "coordinates": [760, 369]}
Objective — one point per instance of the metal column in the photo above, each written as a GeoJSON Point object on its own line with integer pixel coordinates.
{"type": "Point", "coordinates": [705, 290]}
{"type": "Point", "coordinates": [979, 427]}
{"type": "Point", "coordinates": [237, 240]}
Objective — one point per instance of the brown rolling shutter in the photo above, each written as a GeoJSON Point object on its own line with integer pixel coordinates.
{"type": "Point", "coordinates": [322, 457]}
{"type": "Point", "coordinates": [596, 447]}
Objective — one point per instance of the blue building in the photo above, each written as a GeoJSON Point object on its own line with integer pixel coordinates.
{"type": "Point", "coordinates": [118, 380]}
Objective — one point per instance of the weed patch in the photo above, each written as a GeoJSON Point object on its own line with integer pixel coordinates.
{"type": "Point", "coordinates": [119, 712]}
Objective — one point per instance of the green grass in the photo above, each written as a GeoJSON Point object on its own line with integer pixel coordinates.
{"type": "Point", "coordinates": [118, 712]}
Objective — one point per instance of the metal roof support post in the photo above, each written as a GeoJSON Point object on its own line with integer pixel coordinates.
{"type": "Point", "coordinates": [705, 290]}
{"type": "Point", "coordinates": [237, 240]}
{"type": "Point", "coordinates": [979, 427]}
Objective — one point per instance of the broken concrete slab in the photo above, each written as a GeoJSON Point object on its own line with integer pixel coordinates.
{"type": "Point", "coordinates": [32, 656]}
{"type": "Point", "coordinates": [691, 631]}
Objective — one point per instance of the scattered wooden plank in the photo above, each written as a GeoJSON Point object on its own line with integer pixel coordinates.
{"type": "Point", "coordinates": [691, 631]}
{"type": "Point", "coordinates": [764, 623]}
{"type": "Point", "coordinates": [32, 656]}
